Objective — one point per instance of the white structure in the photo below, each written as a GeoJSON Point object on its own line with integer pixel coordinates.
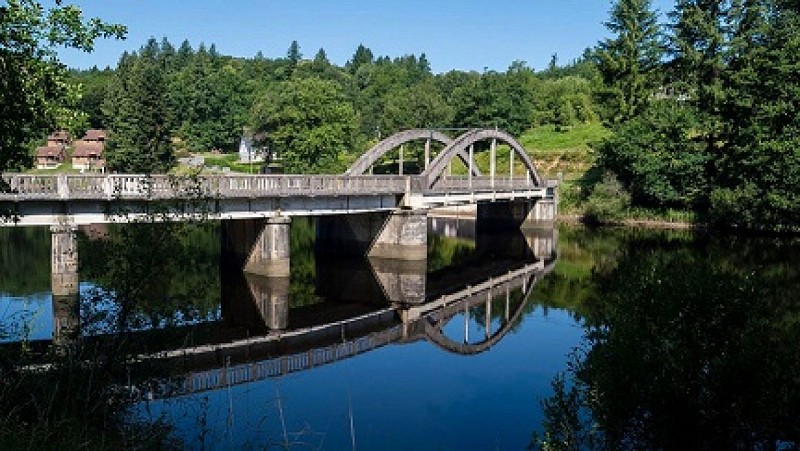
{"type": "Point", "coordinates": [248, 153]}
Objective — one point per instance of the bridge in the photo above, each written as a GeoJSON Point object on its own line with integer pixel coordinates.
{"type": "Point", "coordinates": [361, 213]}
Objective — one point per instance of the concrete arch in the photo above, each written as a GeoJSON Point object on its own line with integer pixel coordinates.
{"type": "Point", "coordinates": [362, 165]}
{"type": "Point", "coordinates": [461, 144]}
{"type": "Point", "coordinates": [434, 334]}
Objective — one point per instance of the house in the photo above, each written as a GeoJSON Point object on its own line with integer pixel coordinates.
{"type": "Point", "coordinates": [95, 135]}
{"type": "Point", "coordinates": [50, 157]}
{"type": "Point", "coordinates": [248, 153]}
{"type": "Point", "coordinates": [58, 138]}
{"type": "Point", "coordinates": [88, 155]}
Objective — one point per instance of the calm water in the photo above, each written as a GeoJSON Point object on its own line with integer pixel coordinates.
{"type": "Point", "coordinates": [617, 338]}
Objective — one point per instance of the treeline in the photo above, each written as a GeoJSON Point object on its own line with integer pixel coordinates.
{"type": "Point", "coordinates": [316, 114]}
{"type": "Point", "coordinates": [705, 111]}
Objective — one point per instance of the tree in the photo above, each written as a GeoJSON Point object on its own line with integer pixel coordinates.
{"type": "Point", "coordinates": [138, 115]}
{"type": "Point", "coordinates": [657, 159]}
{"type": "Point", "coordinates": [362, 56]}
{"type": "Point", "coordinates": [308, 122]}
{"type": "Point", "coordinates": [630, 61]}
{"type": "Point", "coordinates": [759, 180]}
{"type": "Point", "coordinates": [293, 57]}
{"type": "Point", "coordinates": [419, 106]}
{"type": "Point", "coordinates": [35, 95]}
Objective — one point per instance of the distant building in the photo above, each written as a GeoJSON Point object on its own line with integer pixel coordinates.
{"type": "Point", "coordinates": [50, 157]}
{"type": "Point", "coordinates": [248, 153]}
{"type": "Point", "coordinates": [93, 134]}
{"type": "Point", "coordinates": [58, 138]}
{"type": "Point", "coordinates": [88, 155]}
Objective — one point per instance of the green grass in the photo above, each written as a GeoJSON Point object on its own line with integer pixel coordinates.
{"type": "Point", "coordinates": [576, 137]}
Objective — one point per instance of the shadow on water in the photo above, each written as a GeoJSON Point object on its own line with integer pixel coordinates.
{"type": "Point", "coordinates": [690, 343]}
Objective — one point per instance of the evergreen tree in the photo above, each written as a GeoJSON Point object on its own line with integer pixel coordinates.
{"type": "Point", "coordinates": [293, 57]}
{"type": "Point", "coordinates": [362, 56]}
{"type": "Point", "coordinates": [630, 61]}
{"type": "Point", "coordinates": [137, 113]}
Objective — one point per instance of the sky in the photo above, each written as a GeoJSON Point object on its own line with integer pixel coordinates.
{"type": "Point", "coordinates": [454, 34]}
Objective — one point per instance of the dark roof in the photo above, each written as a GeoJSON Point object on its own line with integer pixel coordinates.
{"type": "Point", "coordinates": [94, 135]}
{"type": "Point", "coordinates": [87, 148]}
{"type": "Point", "coordinates": [60, 135]}
{"type": "Point", "coordinates": [49, 151]}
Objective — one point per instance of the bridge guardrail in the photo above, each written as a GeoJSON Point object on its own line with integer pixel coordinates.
{"type": "Point", "coordinates": [137, 186]}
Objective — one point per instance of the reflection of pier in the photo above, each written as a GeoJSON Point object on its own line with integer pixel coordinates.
{"type": "Point", "coordinates": [279, 352]}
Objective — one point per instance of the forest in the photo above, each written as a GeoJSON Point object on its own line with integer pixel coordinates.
{"type": "Point", "coordinates": [697, 108]}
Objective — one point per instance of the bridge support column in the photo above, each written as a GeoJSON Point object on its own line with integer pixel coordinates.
{"type": "Point", "coordinates": [64, 261]}
{"type": "Point", "coordinates": [404, 236]}
{"type": "Point", "coordinates": [517, 214]}
{"type": "Point", "coordinates": [258, 246]}
{"type": "Point", "coordinates": [400, 235]}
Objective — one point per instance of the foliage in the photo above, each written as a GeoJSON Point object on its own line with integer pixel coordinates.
{"type": "Point", "coordinates": [657, 159]}
{"type": "Point", "coordinates": [630, 61]}
{"type": "Point", "coordinates": [308, 122]}
{"type": "Point", "coordinates": [608, 201]}
{"type": "Point", "coordinates": [660, 371]}
{"type": "Point", "coordinates": [35, 94]}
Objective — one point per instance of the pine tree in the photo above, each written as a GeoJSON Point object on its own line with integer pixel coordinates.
{"type": "Point", "coordinates": [630, 61]}
{"type": "Point", "coordinates": [293, 57]}
{"type": "Point", "coordinates": [362, 56]}
{"type": "Point", "coordinates": [136, 110]}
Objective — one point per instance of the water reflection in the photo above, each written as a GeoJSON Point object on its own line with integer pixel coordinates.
{"type": "Point", "coordinates": [690, 343]}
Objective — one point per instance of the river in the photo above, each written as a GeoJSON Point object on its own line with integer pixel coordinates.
{"type": "Point", "coordinates": [572, 338]}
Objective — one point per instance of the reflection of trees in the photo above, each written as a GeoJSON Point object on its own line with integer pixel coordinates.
{"type": "Point", "coordinates": [25, 260]}
{"type": "Point", "coordinates": [159, 271]}
{"type": "Point", "coordinates": [302, 290]}
{"type": "Point", "coordinates": [447, 251]}
{"type": "Point", "coordinates": [685, 350]}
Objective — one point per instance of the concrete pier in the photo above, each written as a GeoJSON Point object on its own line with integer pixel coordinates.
{"type": "Point", "coordinates": [400, 234]}
{"type": "Point", "coordinates": [257, 246]}
{"type": "Point", "coordinates": [64, 261]}
{"type": "Point", "coordinates": [516, 214]}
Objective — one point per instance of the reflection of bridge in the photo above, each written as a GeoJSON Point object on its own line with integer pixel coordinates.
{"type": "Point", "coordinates": [383, 216]}
{"type": "Point", "coordinates": [211, 367]}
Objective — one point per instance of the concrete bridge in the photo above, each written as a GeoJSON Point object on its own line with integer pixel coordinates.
{"type": "Point", "coordinates": [381, 216]}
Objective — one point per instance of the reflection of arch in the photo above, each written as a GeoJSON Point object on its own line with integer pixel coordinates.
{"type": "Point", "coordinates": [435, 323]}
{"type": "Point", "coordinates": [362, 165]}
{"type": "Point", "coordinates": [460, 145]}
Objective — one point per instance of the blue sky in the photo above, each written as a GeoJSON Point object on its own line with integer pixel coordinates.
{"type": "Point", "coordinates": [454, 34]}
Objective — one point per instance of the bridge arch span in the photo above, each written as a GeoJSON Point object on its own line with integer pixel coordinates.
{"type": "Point", "coordinates": [460, 146]}
{"type": "Point", "coordinates": [362, 165]}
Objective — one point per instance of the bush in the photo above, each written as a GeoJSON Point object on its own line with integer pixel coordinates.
{"type": "Point", "coordinates": [608, 201]}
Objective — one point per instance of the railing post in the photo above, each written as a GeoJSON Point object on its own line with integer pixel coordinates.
{"type": "Point", "coordinates": [471, 164]}
{"type": "Point", "coordinates": [493, 161]}
{"type": "Point", "coordinates": [63, 186]}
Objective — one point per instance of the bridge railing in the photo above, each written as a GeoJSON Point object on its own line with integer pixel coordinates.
{"type": "Point", "coordinates": [134, 186]}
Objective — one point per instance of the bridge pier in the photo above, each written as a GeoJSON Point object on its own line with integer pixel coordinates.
{"type": "Point", "coordinates": [516, 214]}
{"type": "Point", "coordinates": [258, 246]}
{"type": "Point", "coordinates": [64, 261]}
{"type": "Point", "coordinates": [66, 318]}
{"type": "Point", "coordinates": [400, 235]}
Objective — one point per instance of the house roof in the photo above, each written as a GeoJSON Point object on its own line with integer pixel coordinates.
{"type": "Point", "coordinates": [87, 148]}
{"type": "Point", "coordinates": [50, 151]}
{"type": "Point", "coordinates": [94, 134]}
{"type": "Point", "coordinates": [60, 135]}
